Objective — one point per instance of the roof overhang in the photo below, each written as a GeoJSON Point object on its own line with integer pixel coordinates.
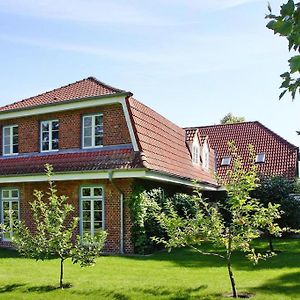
{"type": "Point", "coordinates": [107, 174]}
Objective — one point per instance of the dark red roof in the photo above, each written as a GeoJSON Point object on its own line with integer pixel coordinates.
{"type": "Point", "coordinates": [163, 144]}
{"type": "Point", "coordinates": [71, 161]}
{"type": "Point", "coordinates": [281, 157]}
{"type": "Point", "coordinates": [85, 88]}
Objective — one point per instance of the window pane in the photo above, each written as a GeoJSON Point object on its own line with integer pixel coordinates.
{"type": "Point", "coordinates": [98, 130]}
{"type": "Point", "coordinates": [97, 226]}
{"type": "Point", "coordinates": [87, 131]}
{"type": "Point", "coordinates": [55, 125]}
{"type": "Point", "coordinates": [45, 126]}
{"type": "Point", "coordinates": [88, 142]}
{"type": "Point", "coordinates": [86, 216]}
{"type": "Point", "coordinates": [5, 194]}
{"type": "Point", "coordinates": [15, 194]}
{"type": "Point", "coordinates": [45, 146]}
{"type": "Point", "coordinates": [6, 149]}
{"type": "Point", "coordinates": [97, 191]}
{"type": "Point", "coordinates": [98, 120]}
{"type": "Point", "coordinates": [15, 130]}
{"type": "Point", "coordinates": [87, 121]}
{"type": "Point", "coordinates": [15, 139]}
{"type": "Point", "coordinates": [6, 131]}
{"type": "Point", "coordinates": [86, 192]}
{"type": "Point", "coordinates": [97, 205]}
{"type": "Point", "coordinates": [98, 140]}
{"type": "Point", "coordinates": [86, 226]}
{"type": "Point", "coordinates": [98, 216]}
{"type": "Point", "coordinates": [5, 205]}
{"type": "Point", "coordinates": [45, 136]}
{"type": "Point", "coordinates": [6, 140]}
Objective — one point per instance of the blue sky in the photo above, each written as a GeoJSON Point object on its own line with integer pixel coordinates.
{"type": "Point", "coordinates": [191, 60]}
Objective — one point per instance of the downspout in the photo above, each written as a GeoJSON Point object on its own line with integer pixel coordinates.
{"type": "Point", "coordinates": [110, 177]}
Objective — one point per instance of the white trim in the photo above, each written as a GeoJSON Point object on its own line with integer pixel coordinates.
{"type": "Point", "coordinates": [74, 176]}
{"type": "Point", "coordinates": [55, 107]}
{"type": "Point", "coordinates": [138, 173]}
{"type": "Point", "coordinates": [129, 125]}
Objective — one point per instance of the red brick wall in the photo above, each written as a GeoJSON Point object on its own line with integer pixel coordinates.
{"type": "Point", "coordinates": [114, 126]}
{"type": "Point", "coordinates": [71, 189]}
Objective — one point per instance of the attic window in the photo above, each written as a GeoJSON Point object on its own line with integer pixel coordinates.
{"type": "Point", "coordinates": [196, 154]}
{"type": "Point", "coordinates": [226, 161]}
{"type": "Point", "coordinates": [260, 158]}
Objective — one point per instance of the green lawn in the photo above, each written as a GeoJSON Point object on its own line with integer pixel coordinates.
{"type": "Point", "coordinates": [183, 274]}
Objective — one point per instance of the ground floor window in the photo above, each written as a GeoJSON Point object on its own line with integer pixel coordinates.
{"type": "Point", "coordinates": [10, 211]}
{"type": "Point", "coordinates": [91, 210]}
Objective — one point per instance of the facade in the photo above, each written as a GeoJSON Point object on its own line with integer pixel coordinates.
{"type": "Point", "coordinates": [274, 155]}
{"type": "Point", "coordinates": [100, 142]}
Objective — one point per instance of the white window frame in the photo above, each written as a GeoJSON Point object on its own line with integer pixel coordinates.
{"type": "Point", "coordinates": [196, 154]}
{"type": "Point", "coordinates": [50, 135]}
{"type": "Point", "coordinates": [11, 137]}
{"type": "Point", "coordinates": [93, 116]}
{"type": "Point", "coordinates": [91, 198]}
{"type": "Point", "coordinates": [260, 158]}
{"type": "Point", "coordinates": [226, 160]}
{"type": "Point", "coordinates": [10, 199]}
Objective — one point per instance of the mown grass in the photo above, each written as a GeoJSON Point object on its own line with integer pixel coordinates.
{"type": "Point", "coordinates": [181, 274]}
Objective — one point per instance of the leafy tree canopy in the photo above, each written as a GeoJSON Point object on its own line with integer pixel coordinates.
{"type": "Point", "coordinates": [231, 119]}
{"type": "Point", "coordinates": [287, 24]}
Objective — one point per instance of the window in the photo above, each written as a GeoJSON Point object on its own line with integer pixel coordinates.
{"type": "Point", "coordinates": [9, 210]}
{"type": "Point", "coordinates": [205, 155]}
{"type": "Point", "coordinates": [226, 161]}
{"type": "Point", "coordinates": [10, 140]}
{"type": "Point", "coordinates": [91, 210]}
{"type": "Point", "coordinates": [49, 135]}
{"type": "Point", "coordinates": [195, 154]}
{"type": "Point", "coordinates": [260, 158]}
{"type": "Point", "coordinates": [92, 131]}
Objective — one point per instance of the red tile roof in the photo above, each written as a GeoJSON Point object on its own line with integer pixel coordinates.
{"type": "Point", "coordinates": [163, 144]}
{"type": "Point", "coordinates": [71, 161]}
{"type": "Point", "coordinates": [281, 156]}
{"type": "Point", "coordinates": [85, 88]}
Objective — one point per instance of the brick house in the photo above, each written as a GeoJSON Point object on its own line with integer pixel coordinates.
{"type": "Point", "coordinates": [274, 155]}
{"type": "Point", "coordinates": [100, 141]}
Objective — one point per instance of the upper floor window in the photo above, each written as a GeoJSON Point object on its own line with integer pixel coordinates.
{"type": "Point", "coordinates": [260, 158]}
{"type": "Point", "coordinates": [92, 131]}
{"type": "Point", "coordinates": [205, 156]}
{"type": "Point", "coordinates": [10, 212]}
{"type": "Point", "coordinates": [10, 140]}
{"type": "Point", "coordinates": [49, 135]}
{"type": "Point", "coordinates": [195, 154]}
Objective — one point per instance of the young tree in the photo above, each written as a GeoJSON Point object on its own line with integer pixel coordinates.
{"type": "Point", "coordinates": [54, 231]}
{"type": "Point", "coordinates": [287, 24]}
{"type": "Point", "coordinates": [231, 119]}
{"type": "Point", "coordinates": [235, 229]}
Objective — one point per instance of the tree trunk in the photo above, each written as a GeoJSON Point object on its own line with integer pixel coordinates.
{"type": "Point", "coordinates": [61, 273]}
{"type": "Point", "coordinates": [234, 292]}
{"type": "Point", "coordinates": [271, 243]}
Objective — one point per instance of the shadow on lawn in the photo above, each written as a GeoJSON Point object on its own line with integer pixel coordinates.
{"type": "Point", "coordinates": [10, 287]}
{"type": "Point", "coordinates": [288, 284]}
{"type": "Point", "coordinates": [289, 257]}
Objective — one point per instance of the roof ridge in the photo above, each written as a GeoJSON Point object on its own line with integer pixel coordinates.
{"type": "Point", "coordinates": [230, 124]}
{"type": "Point", "coordinates": [276, 135]}
{"type": "Point", "coordinates": [92, 78]}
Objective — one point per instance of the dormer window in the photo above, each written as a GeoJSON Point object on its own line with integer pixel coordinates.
{"type": "Point", "coordinates": [49, 135]}
{"type": "Point", "coordinates": [93, 131]}
{"type": "Point", "coordinates": [196, 154]}
{"type": "Point", "coordinates": [205, 157]}
{"type": "Point", "coordinates": [10, 140]}
{"type": "Point", "coordinates": [260, 158]}
{"type": "Point", "coordinates": [226, 160]}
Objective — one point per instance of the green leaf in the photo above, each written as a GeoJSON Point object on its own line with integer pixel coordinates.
{"type": "Point", "coordinates": [288, 8]}
{"type": "Point", "coordinates": [282, 94]}
{"type": "Point", "coordinates": [294, 63]}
